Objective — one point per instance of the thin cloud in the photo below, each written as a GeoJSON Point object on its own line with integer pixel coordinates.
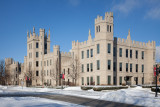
{"type": "Point", "coordinates": [126, 6]}
{"type": "Point", "coordinates": [158, 54]}
{"type": "Point", "coordinates": [153, 13]}
{"type": "Point", "coordinates": [74, 2]}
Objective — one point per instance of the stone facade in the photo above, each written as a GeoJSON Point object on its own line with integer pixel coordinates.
{"type": "Point", "coordinates": [12, 71]}
{"type": "Point", "coordinates": [103, 60]}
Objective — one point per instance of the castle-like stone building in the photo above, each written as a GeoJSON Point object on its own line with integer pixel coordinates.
{"type": "Point", "coordinates": [103, 60]}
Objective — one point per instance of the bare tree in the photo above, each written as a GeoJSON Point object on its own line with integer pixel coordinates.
{"type": "Point", "coordinates": [75, 70]}
{"type": "Point", "coordinates": [42, 77]}
{"type": "Point", "coordinates": [2, 71]}
{"type": "Point", "coordinates": [55, 74]}
{"type": "Point", "coordinates": [30, 74]}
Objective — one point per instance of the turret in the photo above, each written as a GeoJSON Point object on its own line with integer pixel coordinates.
{"type": "Point", "coordinates": [104, 27]}
{"type": "Point", "coordinates": [56, 49]}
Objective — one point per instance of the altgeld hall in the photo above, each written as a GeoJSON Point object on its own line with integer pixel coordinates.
{"type": "Point", "coordinates": [103, 60]}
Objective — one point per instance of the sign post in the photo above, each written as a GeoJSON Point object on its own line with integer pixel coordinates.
{"type": "Point", "coordinates": [22, 83]}
{"type": "Point", "coordinates": [157, 71]}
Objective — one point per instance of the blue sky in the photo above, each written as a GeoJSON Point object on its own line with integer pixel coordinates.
{"type": "Point", "coordinates": [71, 20]}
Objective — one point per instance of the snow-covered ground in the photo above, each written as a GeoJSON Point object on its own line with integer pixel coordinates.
{"type": "Point", "coordinates": [32, 101]}
{"type": "Point", "coordinates": [138, 96]}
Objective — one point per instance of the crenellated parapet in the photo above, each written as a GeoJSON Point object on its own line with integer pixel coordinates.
{"type": "Point", "coordinates": [108, 18]}
{"type": "Point", "coordinates": [9, 61]}
{"type": "Point", "coordinates": [82, 44]}
{"type": "Point", "coordinates": [56, 47]}
{"type": "Point", "coordinates": [133, 43]}
{"type": "Point", "coordinates": [66, 54]}
{"type": "Point", "coordinates": [33, 36]}
{"type": "Point", "coordinates": [89, 42]}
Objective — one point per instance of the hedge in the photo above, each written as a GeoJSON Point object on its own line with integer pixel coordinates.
{"type": "Point", "coordinates": [109, 88]}
{"type": "Point", "coordinates": [154, 89]}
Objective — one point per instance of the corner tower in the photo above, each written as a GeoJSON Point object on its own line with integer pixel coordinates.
{"type": "Point", "coordinates": [104, 27]}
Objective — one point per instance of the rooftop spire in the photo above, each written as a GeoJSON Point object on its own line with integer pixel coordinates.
{"type": "Point", "coordinates": [129, 36]}
{"type": "Point", "coordinates": [49, 35]}
{"type": "Point", "coordinates": [89, 37]}
{"type": "Point", "coordinates": [33, 29]}
{"type": "Point", "coordinates": [129, 32]}
{"type": "Point", "coordinates": [27, 34]}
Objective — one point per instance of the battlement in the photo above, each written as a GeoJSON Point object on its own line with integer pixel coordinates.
{"type": "Point", "coordinates": [9, 61]}
{"type": "Point", "coordinates": [34, 36]}
{"type": "Point", "coordinates": [136, 43]}
{"type": "Point", "coordinates": [108, 18]}
{"type": "Point", "coordinates": [56, 46]}
{"type": "Point", "coordinates": [66, 54]}
{"type": "Point", "coordinates": [82, 44]}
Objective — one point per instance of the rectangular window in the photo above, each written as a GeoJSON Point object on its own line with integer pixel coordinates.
{"type": "Point", "coordinates": [142, 68]}
{"type": "Point", "coordinates": [91, 52]}
{"type": "Point", "coordinates": [44, 63]}
{"type": "Point", "coordinates": [47, 62]}
{"type": "Point", "coordinates": [142, 54]}
{"type": "Point", "coordinates": [110, 29]}
{"type": "Point", "coordinates": [130, 53]}
{"type": "Point", "coordinates": [91, 81]}
{"type": "Point", "coordinates": [114, 66]}
{"type": "Point", "coordinates": [91, 64]}
{"type": "Point", "coordinates": [36, 73]}
{"type": "Point", "coordinates": [82, 68]}
{"type": "Point", "coordinates": [98, 80]}
{"type": "Point", "coordinates": [120, 52]}
{"type": "Point", "coordinates": [82, 80]}
{"type": "Point", "coordinates": [87, 80]}
{"type": "Point", "coordinates": [68, 70]}
{"type": "Point", "coordinates": [136, 54]}
{"type": "Point", "coordinates": [82, 54]}
{"type": "Point", "coordinates": [36, 44]}
{"type": "Point", "coordinates": [109, 64]}
{"type": "Point", "coordinates": [120, 80]}
{"type": "Point", "coordinates": [130, 67]}
{"type": "Point", "coordinates": [36, 63]}
{"type": "Point", "coordinates": [136, 67]}
{"type": "Point", "coordinates": [47, 72]}
{"type": "Point", "coordinates": [120, 66]}
{"type": "Point", "coordinates": [87, 67]}
{"type": "Point", "coordinates": [98, 50]}
{"type": "Point", "coordinates": [109, 80]}
{"type": "Point", "coordinates": [87, 53]}
{"type": "Point", "coordinates": [36, 54]}
{"type": "Point", "coordinates": [126, 67]}
{"type": "Point", "coordinates": [109, 48]}
{"type": "Point", "coordinates": [98, 65]}
{"type": "Point", "coordinates": [107, 28]}
{"type": "Point", "coordinates": [50, 72]}
{"type": "Point", "coordinates": [50, 62]}
{"type": "Point", "coordinates": [44, 73]}
{"type": "Point", "coordinates": [114, 51]}
{"type": "Point", "coordinates": [126, 53]}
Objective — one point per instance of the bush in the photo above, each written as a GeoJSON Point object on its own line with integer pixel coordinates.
{"type": "Point", "coordinates": [154, 89]}
{"type": "Point", "coordinates": [86, 87]}
{"type": "Point", "coordinates": [149, 86]}
{"type": "Point", "coordinates": [109, 88]}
